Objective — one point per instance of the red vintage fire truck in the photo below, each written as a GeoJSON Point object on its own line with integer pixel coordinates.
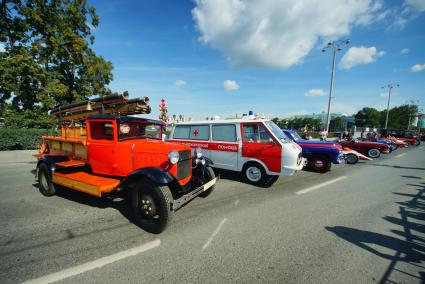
{"type": "Point", "coordinates": [103, 151]}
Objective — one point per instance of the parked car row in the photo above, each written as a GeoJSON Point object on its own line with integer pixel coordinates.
{"type": "Point", "coordinates": [262, 152]}
{"type": "Point", "coordinates": [109, 154]}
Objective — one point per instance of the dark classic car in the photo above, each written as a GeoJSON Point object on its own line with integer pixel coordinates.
{"type": "Point", "coordinates": [371, 149]}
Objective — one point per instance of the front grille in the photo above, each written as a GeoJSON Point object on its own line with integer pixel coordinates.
{"type": "Point", "coordinates": [184, 164]}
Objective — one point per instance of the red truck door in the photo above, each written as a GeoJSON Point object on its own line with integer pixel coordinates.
{"type": "Point", "coordinates": [101, 146]}
{"type": "Point", "coordinates": [258, 143]}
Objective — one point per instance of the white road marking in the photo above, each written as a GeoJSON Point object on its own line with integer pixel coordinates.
{"type": "Point", "coordinates": [400, 155]}
{"type": "Point", "coordinates": [236, 202]}
{"type": "Point", "coordinates": [320, 185]}
{"type": "Point", "coordinates": [94, 264]}
{"type": "Point", "coordinates": [421, 147]}
{"type": "Point", "coordinates": [214, 234]}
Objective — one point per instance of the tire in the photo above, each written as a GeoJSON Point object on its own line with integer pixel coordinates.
{"type": "Point", "coordinates": [373, 153]}
{"type": "Point", "coordinates": [151, 206]}
{"type": "Point", "coordinates": [418, 142]}
{"type": "Point", "coordinates": [255, 174]}
{"type": "Point", "coordinates": [319, 164]}
{"type": "Point", "coordinates": [351, 159]}
{"type": "Point", "coordinates": [209, 175]}
{"type": "Point", "coordinates": [45, 185]}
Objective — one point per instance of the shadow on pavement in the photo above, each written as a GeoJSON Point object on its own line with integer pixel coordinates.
{"type": "Point", "coordinates": [120, 202]}
{"type": "Point", "coordinates": [398, 167]}
{"type": "Point", "coordinates": [410, 248]}
{"type": "Point", "coordinates": [412, 177]}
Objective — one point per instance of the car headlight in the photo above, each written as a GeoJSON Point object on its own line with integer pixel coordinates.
{"type": "Point", "coordinates": [173, 157]}
{"type": "Point", "coordinates": [198, 153]}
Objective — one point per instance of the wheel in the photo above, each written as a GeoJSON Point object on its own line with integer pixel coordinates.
{"type": "Point", "coordinates": [393, 147]}
{"type": "Point", "coordinates": [255, 174]}
{"type": "Point", "coordinates": [418, 142]}
{"type": "Point", "coordinates": [351, 158]}
{"type": "Point", "coordinates": [209, 175]}
{"type": "Point", "coordinates": [151, 206]}
{"type": "Point", "coordinates": [320, 164]}
{"type": "Point", "coordinates": [45, 185]}
{"type": "Point", "coordinates": [374, 153]}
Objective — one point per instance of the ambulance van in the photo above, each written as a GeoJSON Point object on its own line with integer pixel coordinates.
{"type": "Point", "coordinates": [257, 148]}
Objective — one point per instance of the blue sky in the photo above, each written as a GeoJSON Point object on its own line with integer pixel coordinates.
{"type": "Point", "coordinates": [269, 52]}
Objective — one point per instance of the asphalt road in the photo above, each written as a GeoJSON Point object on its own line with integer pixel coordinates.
{"type": "Point", "coordinates": [359, 223]}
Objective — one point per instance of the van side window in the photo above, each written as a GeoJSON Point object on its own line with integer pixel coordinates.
{"type": "Point", "coordinates": [101, 130]}
{"type": "Point", "coordinates": [226, 132]}
{"type": "Point", "coordinates": [200, 132]}
{"type": "Point", "coordinates": [181, 132]}
{"type": "Point", "coordinates": [192, 132]}
{"type": "Point", "coordinates": [256, 134]}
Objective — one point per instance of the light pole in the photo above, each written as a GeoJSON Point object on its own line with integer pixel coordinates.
{"type": "Point", "coordinates": [336, 46]}
{"type": "Point", "coordinates": [390, 86]}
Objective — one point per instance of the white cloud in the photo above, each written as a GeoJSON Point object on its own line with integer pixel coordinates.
{"type": "Point", "coordinates": [407, 12]}
{"type": "Point", "coordinates": [417, 68]}
{"type": "Point", "coordinates": [2, 49]}
{"type": "Point", "coordinates": [315, 92]}
{"type": "Point", "coordinates": [276, 33]}
{"type": "Point", "coordinates": [359, 55]}
{"type": "Point", "coordinates": [230, 85]}
{"type": "Point", "coordinates": [404, 51]}
{"type": "Point", "coordinates": [180, 83]}
{"type": "Point", "coordinates": [417, 5]}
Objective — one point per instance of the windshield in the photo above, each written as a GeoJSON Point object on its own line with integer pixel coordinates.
{"type": "Point", "coordinates": [278, 132]}
{"type": "Point", "coordinates": [134, 130]}
{"type": "Point", "coordinates": [296, 136]}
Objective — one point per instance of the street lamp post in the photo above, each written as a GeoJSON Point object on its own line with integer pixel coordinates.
{"type": "Point", "coordinates": [336, 46]}
{"type": "Point", "coordinates": [390, 86]}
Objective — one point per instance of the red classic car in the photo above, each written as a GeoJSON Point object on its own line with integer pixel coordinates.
{"type": "Point", "coordinates": [410, 141]}
{"type": "Point", "coordinates": [371, 149]}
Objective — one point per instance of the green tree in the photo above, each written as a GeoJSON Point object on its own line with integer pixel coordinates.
{"type": "Point", "coordinates": [48, 59]}
{"type": "Point", "coordinates": [398, 117]}
{"type": "Point", "coordinates": [368, 117]}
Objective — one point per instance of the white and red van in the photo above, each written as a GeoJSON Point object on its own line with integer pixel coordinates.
{"type": "Point", "coordinates": [256, 147]}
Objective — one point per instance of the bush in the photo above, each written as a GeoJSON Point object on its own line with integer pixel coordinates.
{"type": "Point", "coordinates": [21, 139]}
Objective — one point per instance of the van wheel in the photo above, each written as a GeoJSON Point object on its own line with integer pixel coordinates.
{"type": "Point", "coordinates": [374, 153]}
{"type": "Point", "coordinates": [45, 185]}
{"type": "Point", "coordinates": [351, 159]}
{"type": "Point", "coordinates": [209, 175]}
{"type": "Point", "coordinates": [151, 206]}
{"type": "Point", "coordinates": [319, 164]}
{"type": "Point", "coordinates": [255, 174]}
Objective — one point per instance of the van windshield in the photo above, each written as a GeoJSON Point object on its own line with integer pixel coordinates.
{"type": "Point", "coordinates": [278, 132]}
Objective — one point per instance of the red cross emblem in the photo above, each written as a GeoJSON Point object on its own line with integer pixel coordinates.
{"type": "Point", "coordinates": [196, 132]}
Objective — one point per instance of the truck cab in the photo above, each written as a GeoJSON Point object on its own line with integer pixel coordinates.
{"type": "Point", "coordinates": [107, 154]}
{"type": "Point", "coordinates": [320, 154]}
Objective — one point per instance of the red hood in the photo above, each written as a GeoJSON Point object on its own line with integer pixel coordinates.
{"type": "Point", "coordinates": [365, 144]}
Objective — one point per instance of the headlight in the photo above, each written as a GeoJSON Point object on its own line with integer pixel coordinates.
{"type": "Point", "coordinates": [173, 156]}
{"type": "Point", "coordinates": [198, 153]}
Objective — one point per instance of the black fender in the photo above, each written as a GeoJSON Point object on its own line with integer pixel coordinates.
{"type": "Point", "coordinates": [156, 175]}
{"type": "Point", "coordinates": [208, 162]}
{"type": "Point", "coordinates": [51, 161]}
